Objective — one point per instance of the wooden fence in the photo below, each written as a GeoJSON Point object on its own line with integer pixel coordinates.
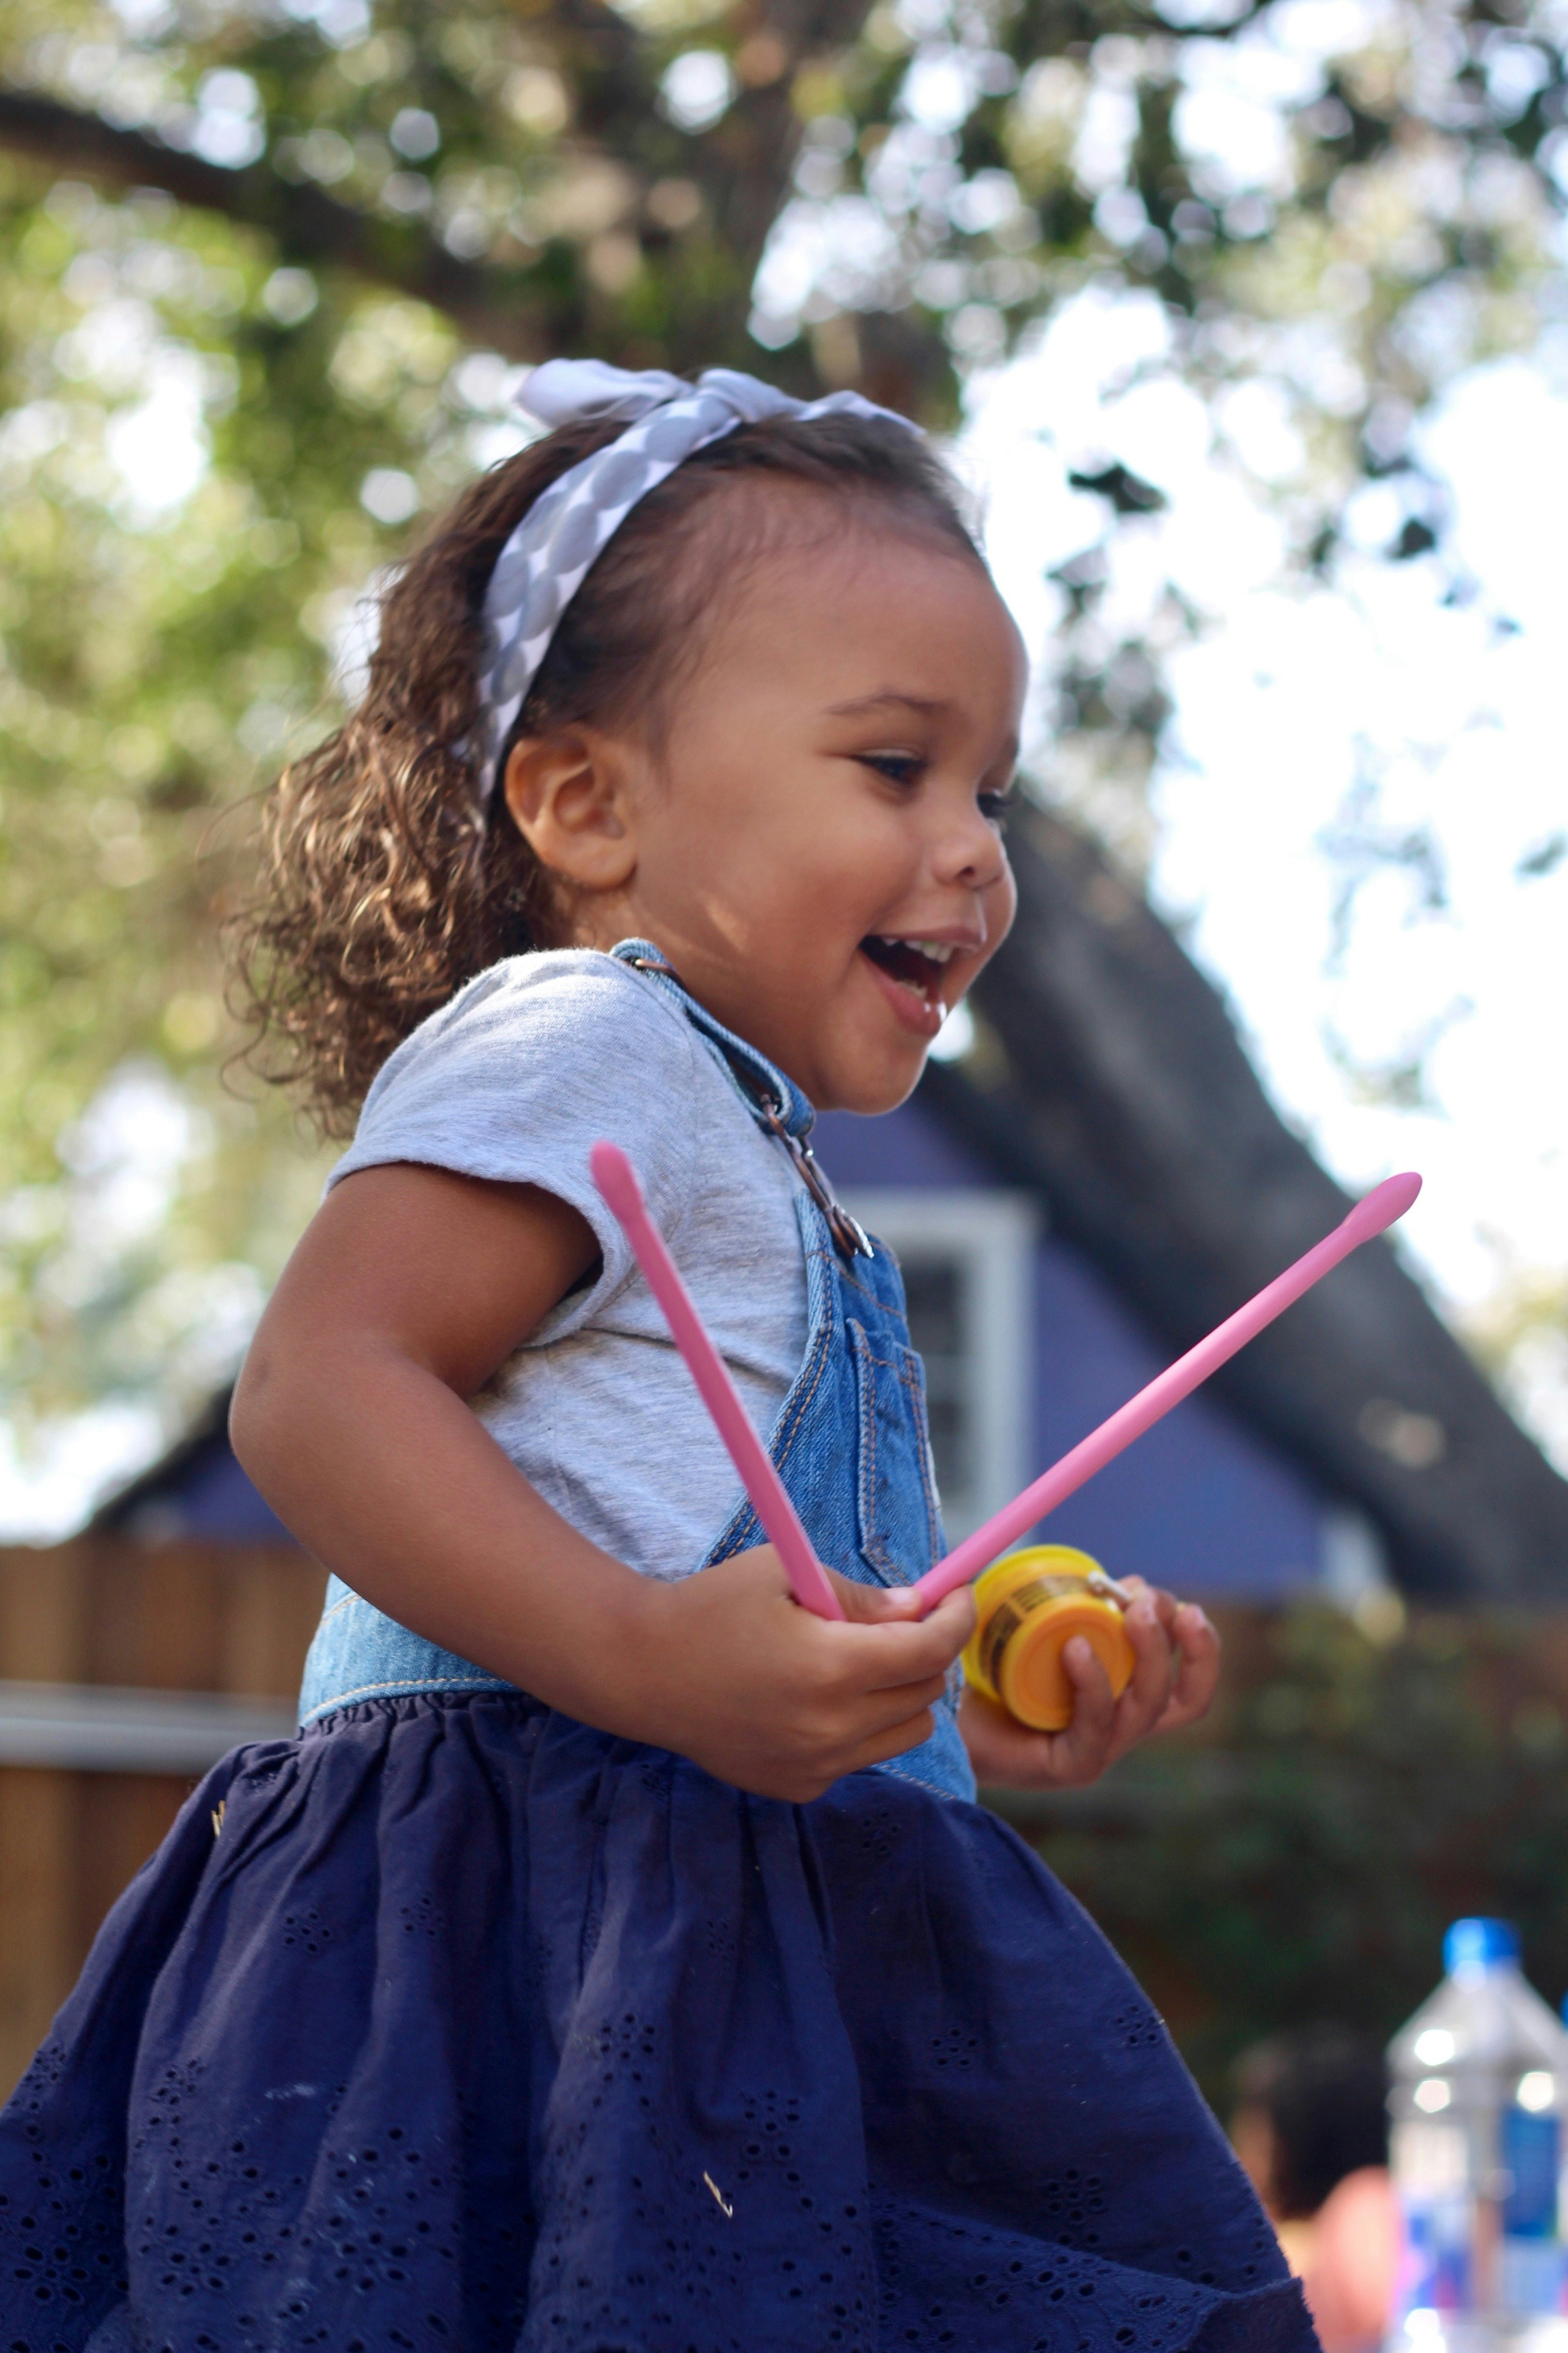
{"type": "Point", "coordinates": [1433, 1763]}
{"type": "Point", "coordinates": [124, 1671]}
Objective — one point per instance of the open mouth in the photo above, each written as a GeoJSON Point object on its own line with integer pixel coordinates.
{"type": "Point", "coordinates": [915, 964]}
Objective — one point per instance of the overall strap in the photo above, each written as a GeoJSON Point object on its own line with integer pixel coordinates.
{"type": "Point", "coordinates": [773, 1100]}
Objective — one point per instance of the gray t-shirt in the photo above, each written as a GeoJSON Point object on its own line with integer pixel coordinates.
{"type": "Point", "coordinates": [515, 1079]}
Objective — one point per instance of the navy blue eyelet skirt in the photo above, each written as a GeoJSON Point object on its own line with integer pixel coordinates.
{"type": "Point", "coordinates": [455, 2026]}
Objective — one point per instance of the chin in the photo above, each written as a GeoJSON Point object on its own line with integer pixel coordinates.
{"type": "Point", "coordinates": [870, 1094]}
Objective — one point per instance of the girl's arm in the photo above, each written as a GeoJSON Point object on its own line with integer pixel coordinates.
{"type": "Point", "coordinates": [407, 1291]}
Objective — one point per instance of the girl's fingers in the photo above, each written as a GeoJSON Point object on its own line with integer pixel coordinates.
{"type": "Point", "coordinates": [1148, 1690]}
{"type": "Point", "coordinates": [877, 1604]}
{"type": "Point", "coordinates": [907, 1651]}
{"type": "Point", "coordinates": [878, 1712]}
{"type": "Point", "coordinates": [894, 1742]}
{"type": "Point", "coordinates": [1083, 1750]}
{"type": "Point", "coordinates": [1170, 1639]}
{"type": "Point", "coordinates": [1197, 1677]}
{"type": "Point", "coordinates": [1166, 1607]}
{"type": "Point", "coordinates": [947, 1627]}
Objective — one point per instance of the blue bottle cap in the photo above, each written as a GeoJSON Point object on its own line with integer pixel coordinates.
{"type": "Point", "coordinates": [1479, 1945]}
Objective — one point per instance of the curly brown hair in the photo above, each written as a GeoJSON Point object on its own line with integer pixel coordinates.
{"type": "Point", "coordinates": [384, 886]}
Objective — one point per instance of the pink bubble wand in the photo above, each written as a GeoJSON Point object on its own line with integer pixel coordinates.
{"type": "Point", "coordinates": [1372, 1216]}
{"type": "Point", "coordinates": [616, 1179]}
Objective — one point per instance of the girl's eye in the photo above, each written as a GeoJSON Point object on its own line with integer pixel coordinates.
{"type": "Point", "coordinates": [902, 767]}
{"type": "Point", "coordinates": [997, 807]}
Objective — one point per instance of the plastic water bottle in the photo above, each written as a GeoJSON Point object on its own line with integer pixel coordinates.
{"type": "Point", "coordinates": [1479, 2088]}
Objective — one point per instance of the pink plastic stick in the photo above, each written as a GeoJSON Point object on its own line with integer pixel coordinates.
{"type": "Point", "coordinates": [616, 1180]}
{"type": "Point", "coordinates": [1388, 1201]}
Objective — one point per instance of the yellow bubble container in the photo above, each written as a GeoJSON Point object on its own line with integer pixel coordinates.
{"type": "Point", "coordinates": [1028, 1606]}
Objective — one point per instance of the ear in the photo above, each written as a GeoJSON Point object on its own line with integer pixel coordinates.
{"type": "Point", "coordinates": [569, 798]}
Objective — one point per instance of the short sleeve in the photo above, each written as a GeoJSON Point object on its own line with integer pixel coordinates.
{"type": "Point", "coordinates": [525, 1070]}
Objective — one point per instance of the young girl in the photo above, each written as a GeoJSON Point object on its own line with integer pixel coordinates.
{"type": "Point", "coordinates": [617, 1962]}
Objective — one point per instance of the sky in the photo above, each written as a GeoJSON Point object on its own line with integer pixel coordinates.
{"type": "Point", "coordinates": [1365, 727]}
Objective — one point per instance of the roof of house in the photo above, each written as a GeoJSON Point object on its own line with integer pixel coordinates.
{"type": "Point", "coordinates": [1107, 1077]}
{"type": "Point", "coordinates": [197, 1489]}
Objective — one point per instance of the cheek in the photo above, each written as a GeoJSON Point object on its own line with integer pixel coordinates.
{"type": "Point", "coordinates": [1001, 906]}
{"type": "Point", "coordinates": [837, 849]}
{"type": "Point", "coordinates": [751, 813]}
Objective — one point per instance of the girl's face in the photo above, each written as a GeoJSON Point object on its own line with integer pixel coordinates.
{"type": "Point", "coordinates": [816, 847]}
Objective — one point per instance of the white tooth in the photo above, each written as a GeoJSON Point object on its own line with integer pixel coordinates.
{"type": "Point", "coordinates": [936, 951]}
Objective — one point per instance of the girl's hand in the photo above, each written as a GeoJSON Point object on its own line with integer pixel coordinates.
{"type": "Point", "coordinates": [1172, 1684]}
{"type": "Point", "coordinates": [734, 1674]}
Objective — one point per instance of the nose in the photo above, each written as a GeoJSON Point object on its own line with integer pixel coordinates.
{"type": "Point", "coordinates": [969, 851]}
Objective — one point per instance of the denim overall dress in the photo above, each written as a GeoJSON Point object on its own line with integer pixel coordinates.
{"type": "Point", "coordinates": [850, 1441]}
{"type": "Point", "coordinates": [453, 2025]}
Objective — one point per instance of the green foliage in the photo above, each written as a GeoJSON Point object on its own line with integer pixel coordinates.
{"type": "Point", "coordinates": [159, 662]}
{"type": "Point", "coordinates": [318, 230]}
{"type": "Point", "coordinates": [1298, 1857]}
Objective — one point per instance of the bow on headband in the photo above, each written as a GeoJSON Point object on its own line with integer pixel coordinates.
{"type": "Point", "coordinates": [545, 561]}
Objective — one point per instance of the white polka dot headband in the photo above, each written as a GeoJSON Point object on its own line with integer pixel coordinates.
{"type": "Point", "coordinates": [544, 563]}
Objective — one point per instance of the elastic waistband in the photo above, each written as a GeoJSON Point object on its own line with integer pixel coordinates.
{"type": "Point", "coordinates": [360, 1653]}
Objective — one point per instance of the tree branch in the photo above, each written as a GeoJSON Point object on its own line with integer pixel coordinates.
{"type": "Point", "coordinates": [498, 308]}
{"type": "Point", "coordinates": [743, 164]}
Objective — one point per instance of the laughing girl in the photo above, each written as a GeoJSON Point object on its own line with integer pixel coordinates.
{"type": "Point", "coordinates": [617, 1961]}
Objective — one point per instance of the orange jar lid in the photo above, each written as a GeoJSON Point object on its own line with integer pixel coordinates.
{"type": "Point", "coordinates": [1028, 1606]}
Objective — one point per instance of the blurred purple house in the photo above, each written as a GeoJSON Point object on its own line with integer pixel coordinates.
{"type": "Point", "coordinates": [1026, 1348]}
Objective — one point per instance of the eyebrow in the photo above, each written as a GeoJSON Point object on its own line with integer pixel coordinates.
{"type": "Point", "coordinates": [889, 699]}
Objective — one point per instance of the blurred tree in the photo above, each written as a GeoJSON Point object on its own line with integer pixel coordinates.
{"type": "Point", "coordinates": [1299, 1855]}
{"type": "Point", "coordinates": [266, 268]}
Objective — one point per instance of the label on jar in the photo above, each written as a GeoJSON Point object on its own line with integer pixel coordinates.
{"type": "Point", "coordinates": [1009, 1615]}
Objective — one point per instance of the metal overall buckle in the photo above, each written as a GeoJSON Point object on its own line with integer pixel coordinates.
{"type": "Point", "coordinates": [849, 1236]}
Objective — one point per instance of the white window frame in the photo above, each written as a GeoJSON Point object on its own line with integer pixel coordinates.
{"type": "Point", "coordinates": [991, 1237]}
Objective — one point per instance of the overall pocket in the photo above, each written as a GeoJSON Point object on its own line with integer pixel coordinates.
{"type": "Point", "coordinates": [900, 1526]}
